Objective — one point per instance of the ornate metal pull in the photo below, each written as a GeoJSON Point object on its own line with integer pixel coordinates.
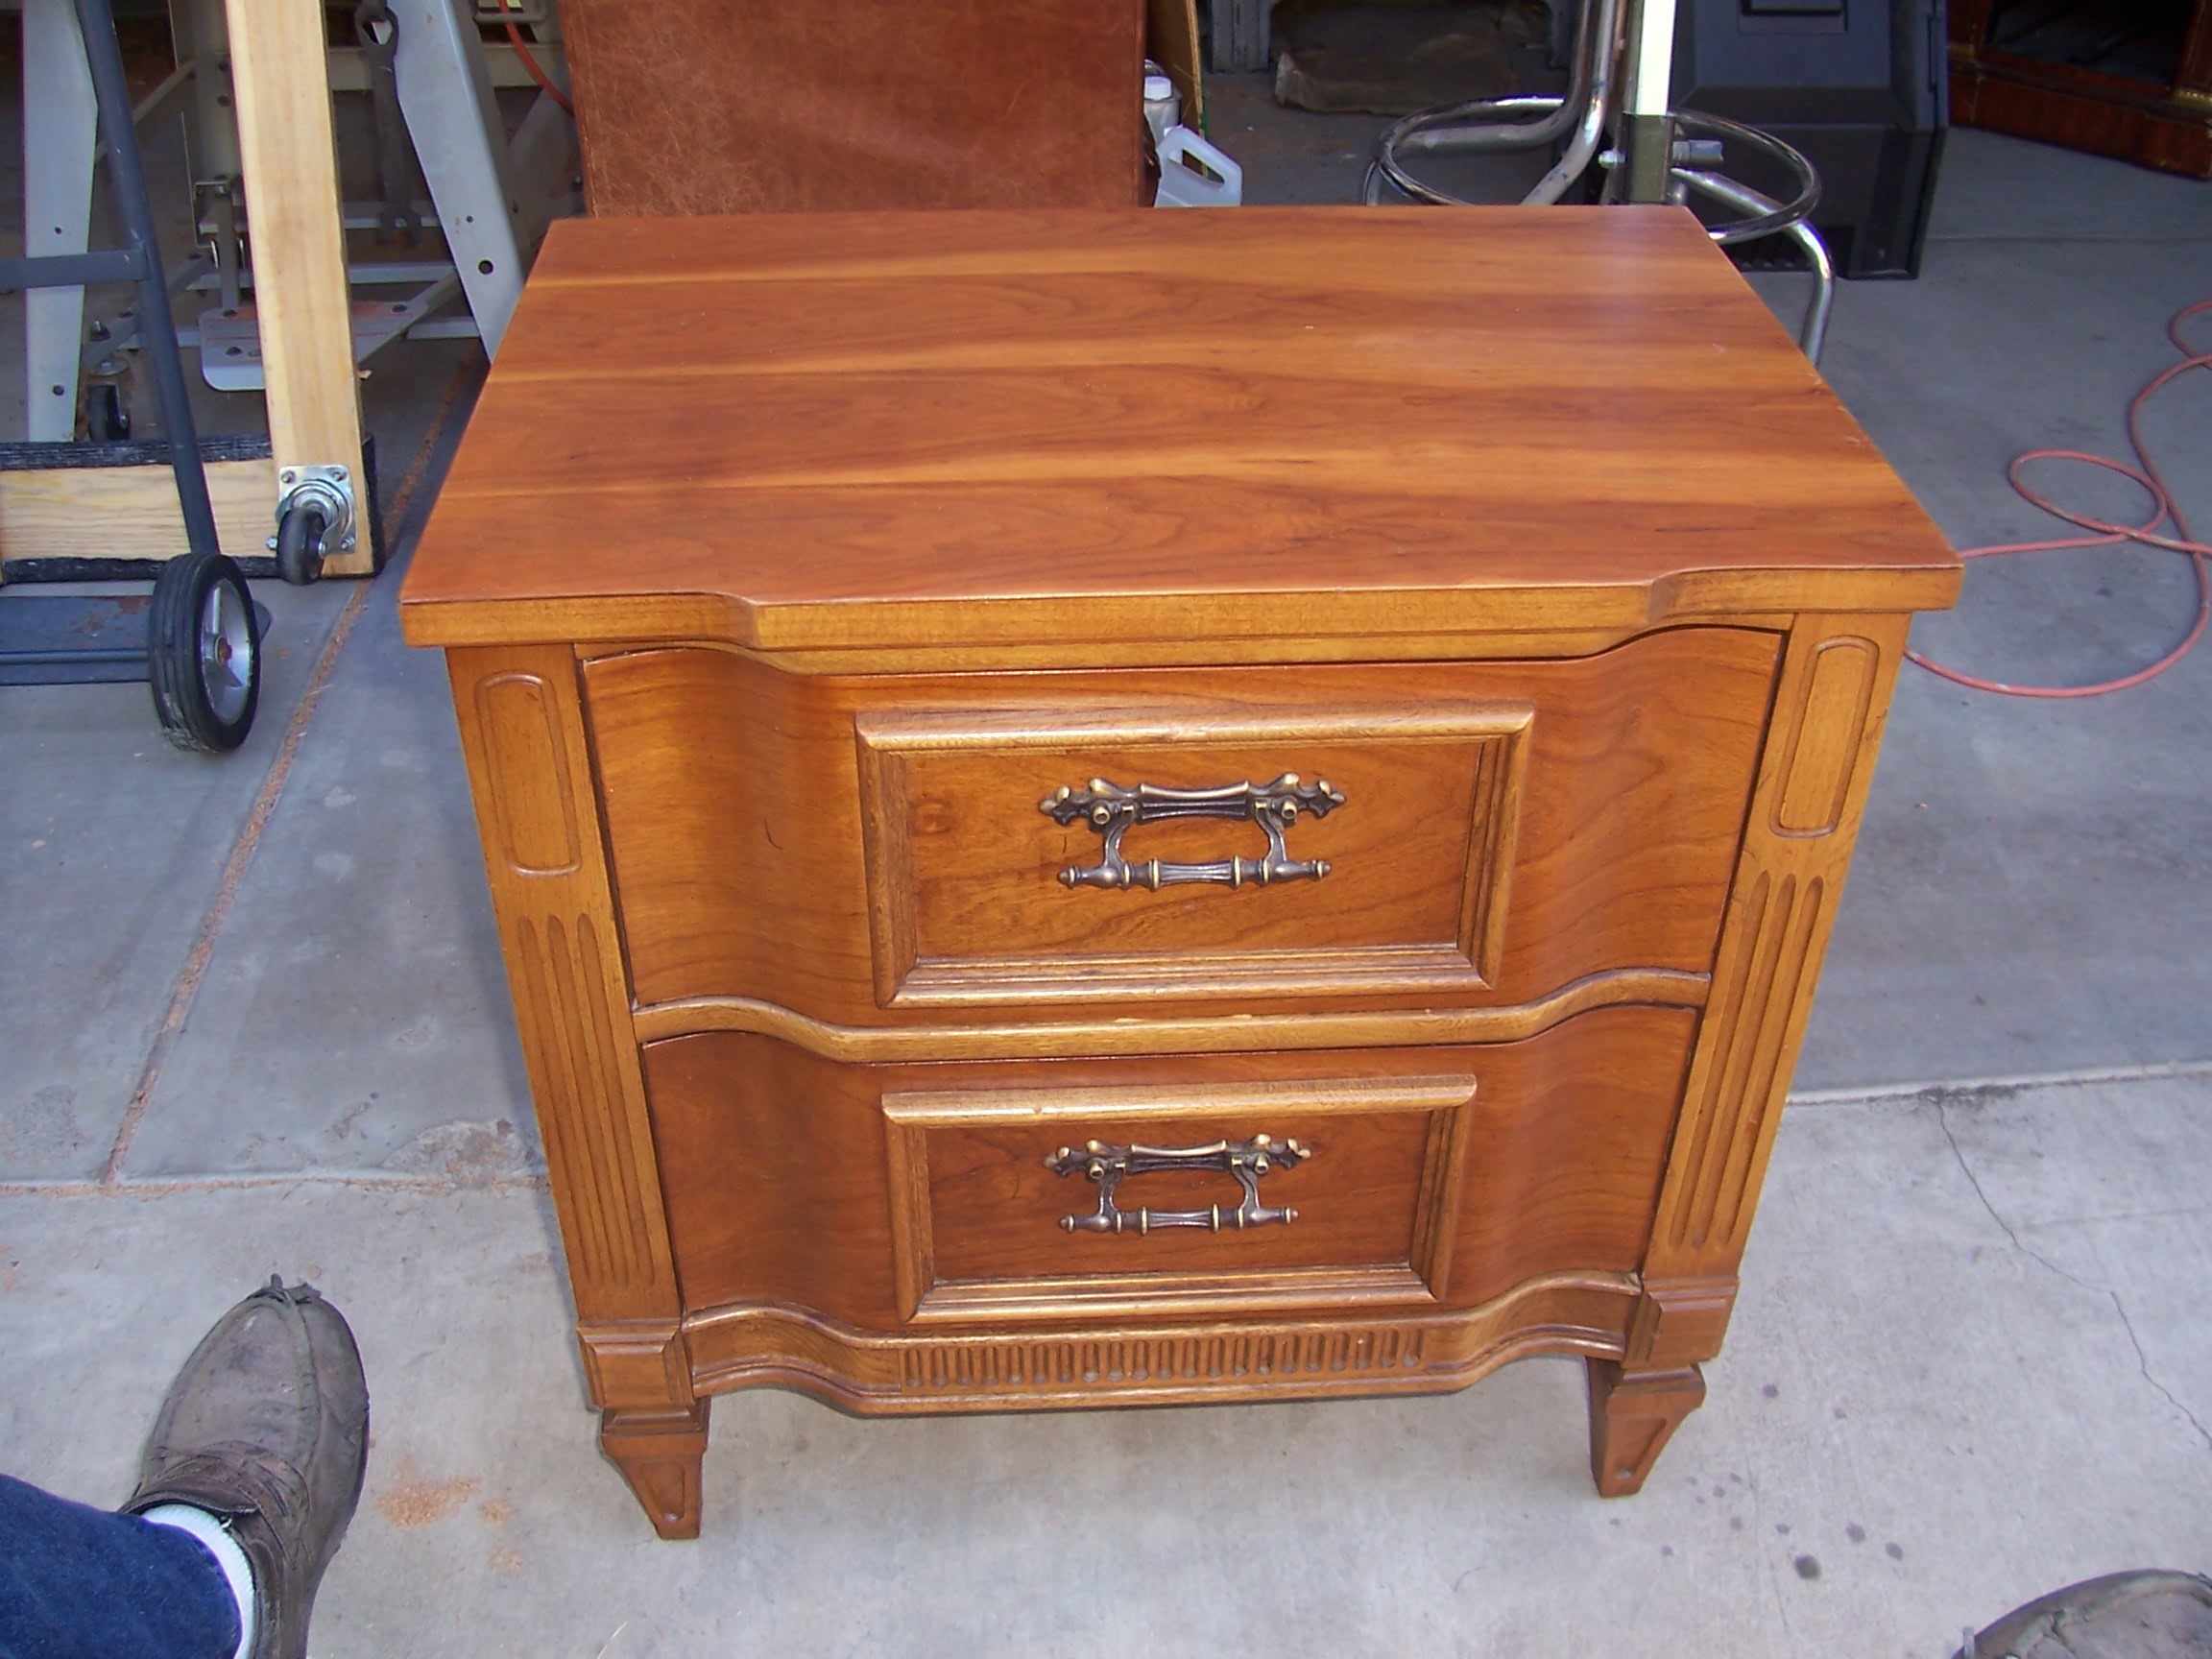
{"type": "Point", "coordinates": [1246, 1160]}
{"type": "Point", "coordinates": [1112, 812]}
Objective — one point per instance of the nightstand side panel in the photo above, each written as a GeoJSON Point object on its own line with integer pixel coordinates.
{"type": "Point", "coordinates": [531, 774]}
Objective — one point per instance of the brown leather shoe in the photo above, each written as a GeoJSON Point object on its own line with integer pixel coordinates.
{"type": "Point", "coordinates": [2141, 1615]}
{"type": "Point", "coordinates": [267, 1426]}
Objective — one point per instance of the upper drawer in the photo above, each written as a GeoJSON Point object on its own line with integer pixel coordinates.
{"type": "Point", "coordinates": [1208, 848]}
{"type": "Point", "coordinates": [1434, 834]}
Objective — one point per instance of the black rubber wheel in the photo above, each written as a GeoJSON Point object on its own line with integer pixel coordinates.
{"type": "Point", "coordinates": [107, 416]}
{"type": "Point", "coordinates": [203, 654]}
{"type": "Point", "coordinates": [300, 545]}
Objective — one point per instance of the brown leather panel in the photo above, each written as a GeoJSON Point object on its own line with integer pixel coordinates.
{"type": "Point", "coordinates": [795, 106]}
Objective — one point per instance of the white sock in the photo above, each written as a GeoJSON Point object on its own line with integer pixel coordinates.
{"type": "Point", "coordinates": [236, 1569]}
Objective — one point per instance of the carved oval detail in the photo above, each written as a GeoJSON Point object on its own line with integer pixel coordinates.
{"type": "Point", "coordinates": [1839, 696]}
{"type": "Point", "coordinates": [533, 803]}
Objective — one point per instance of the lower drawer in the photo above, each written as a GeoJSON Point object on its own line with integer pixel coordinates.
{"type": "Point", "coordinates": [1136, 1196]}
{"type": "Point", "coordinates": [889, 1197]}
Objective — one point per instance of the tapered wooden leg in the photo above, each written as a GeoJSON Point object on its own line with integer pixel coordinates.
{"type": "Point", "coordinates": [1633, 1415]}
{"type": "Point", "coordinates": [658, 1453]}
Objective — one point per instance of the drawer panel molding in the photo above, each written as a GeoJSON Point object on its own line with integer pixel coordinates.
{"type": "Point", "coordinates": [940, 929]}
{"type": "Point", "coordinates": [1388, 1246]}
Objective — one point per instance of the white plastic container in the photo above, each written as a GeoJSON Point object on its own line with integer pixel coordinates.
{"type": "Point", "coordinates": [1163, 108]}
{"type": "Point", "coordinates": [1194, 174]}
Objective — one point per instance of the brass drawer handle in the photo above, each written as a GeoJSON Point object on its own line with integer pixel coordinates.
{"type": "Point", "coordinates": [1112, 812]}
{"type": "Point", "coordinates": [1246, 1160]}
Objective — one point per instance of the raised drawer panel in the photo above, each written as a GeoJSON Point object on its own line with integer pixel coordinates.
{"type": "Point", "coordinates": [919, 1194]}
{"type": "Point", "coordinates": [1328, 1187]}
{"type": "Point", "coordinates": [1146, 870]}
{"type": "Point", "coordinates": [873, 851]}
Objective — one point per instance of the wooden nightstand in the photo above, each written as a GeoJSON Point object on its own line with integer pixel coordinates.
{"type": "Point", "coordinates": [1091, 810]}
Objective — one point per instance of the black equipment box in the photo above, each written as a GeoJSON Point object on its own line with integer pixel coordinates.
{"type": "Point", "coordinates": [1860, 86]}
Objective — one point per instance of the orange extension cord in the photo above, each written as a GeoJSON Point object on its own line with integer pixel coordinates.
{"type": "Point", "coordinates": [2198, 553]}
{"type": "Point", "coordinates": [537, 74]}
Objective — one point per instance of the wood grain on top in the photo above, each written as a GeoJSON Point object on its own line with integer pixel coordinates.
{"type": "Point", "coordinates": [894, 431]}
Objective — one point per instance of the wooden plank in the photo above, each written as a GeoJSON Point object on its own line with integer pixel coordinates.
{"type": "Point", "coordinates": [291, 161]}
{"type": "Point", "coordinates": [129, 511]}
{"type": "Point", "coordinates": [1172, 41]}
{"type": "Point", "coordinates": [1138, 429]}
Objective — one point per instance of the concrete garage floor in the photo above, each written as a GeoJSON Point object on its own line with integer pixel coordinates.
{"type": "Point", "coordinates": [252, 1017]}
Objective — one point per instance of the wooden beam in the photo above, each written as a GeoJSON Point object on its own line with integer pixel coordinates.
{"type": "Point", "coordinates": [1172, 41]}
{"type": "Point", "coordinates": [129, 511]}
{"type": "Point", "coordinates": [280, 76]}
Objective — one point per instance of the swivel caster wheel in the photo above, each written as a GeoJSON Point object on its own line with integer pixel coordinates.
{"type": "Point", "coordinates": [107, 413]}
{"type": "Point", "coordinates": [204, 652]}
{"type": "Point", "coordinates": [299, 544]}
{"type": "Point", "coordinates": [315, 519]}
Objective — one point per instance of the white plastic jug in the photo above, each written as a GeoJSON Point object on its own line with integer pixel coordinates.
{"type": "Point", "coordinates": [1163, 108]}
{"type": "Point", "coordinates": [1194, 174]}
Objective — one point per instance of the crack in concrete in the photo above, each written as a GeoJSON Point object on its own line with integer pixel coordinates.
{"type": "Point", "coordinates": [1978, 1089]}
{"type": "Point", "coordinates": [1942, 1104]}
{"type": "Point", "coordinates": [187, 988]}
{"type": "Point", "coordinates": [160, 1187]}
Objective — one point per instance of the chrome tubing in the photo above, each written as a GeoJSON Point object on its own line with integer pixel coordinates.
{"type": "Point", "coordinates": [1771, 217]}
{"type": "Point", "coordinates": [1491, 136]}
{"type": "Point", "coordinates": [1812, 333]}
{"type": "Point", "coordinates": [1591, 132]}
{"type": "Point", "coordinates": [1432, 130]}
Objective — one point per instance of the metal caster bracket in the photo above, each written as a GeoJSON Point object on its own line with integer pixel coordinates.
{"type": "Point", "coordinates": [327, 491]}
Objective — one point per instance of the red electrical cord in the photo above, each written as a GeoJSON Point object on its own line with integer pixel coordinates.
{"type": "Point", "coordinates": [2198, 553]}
{"type": "Point", "coordinates": [537, 74]}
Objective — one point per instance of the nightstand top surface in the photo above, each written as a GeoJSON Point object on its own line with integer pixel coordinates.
{"type": "Point", "coordinates": [900, 432]}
